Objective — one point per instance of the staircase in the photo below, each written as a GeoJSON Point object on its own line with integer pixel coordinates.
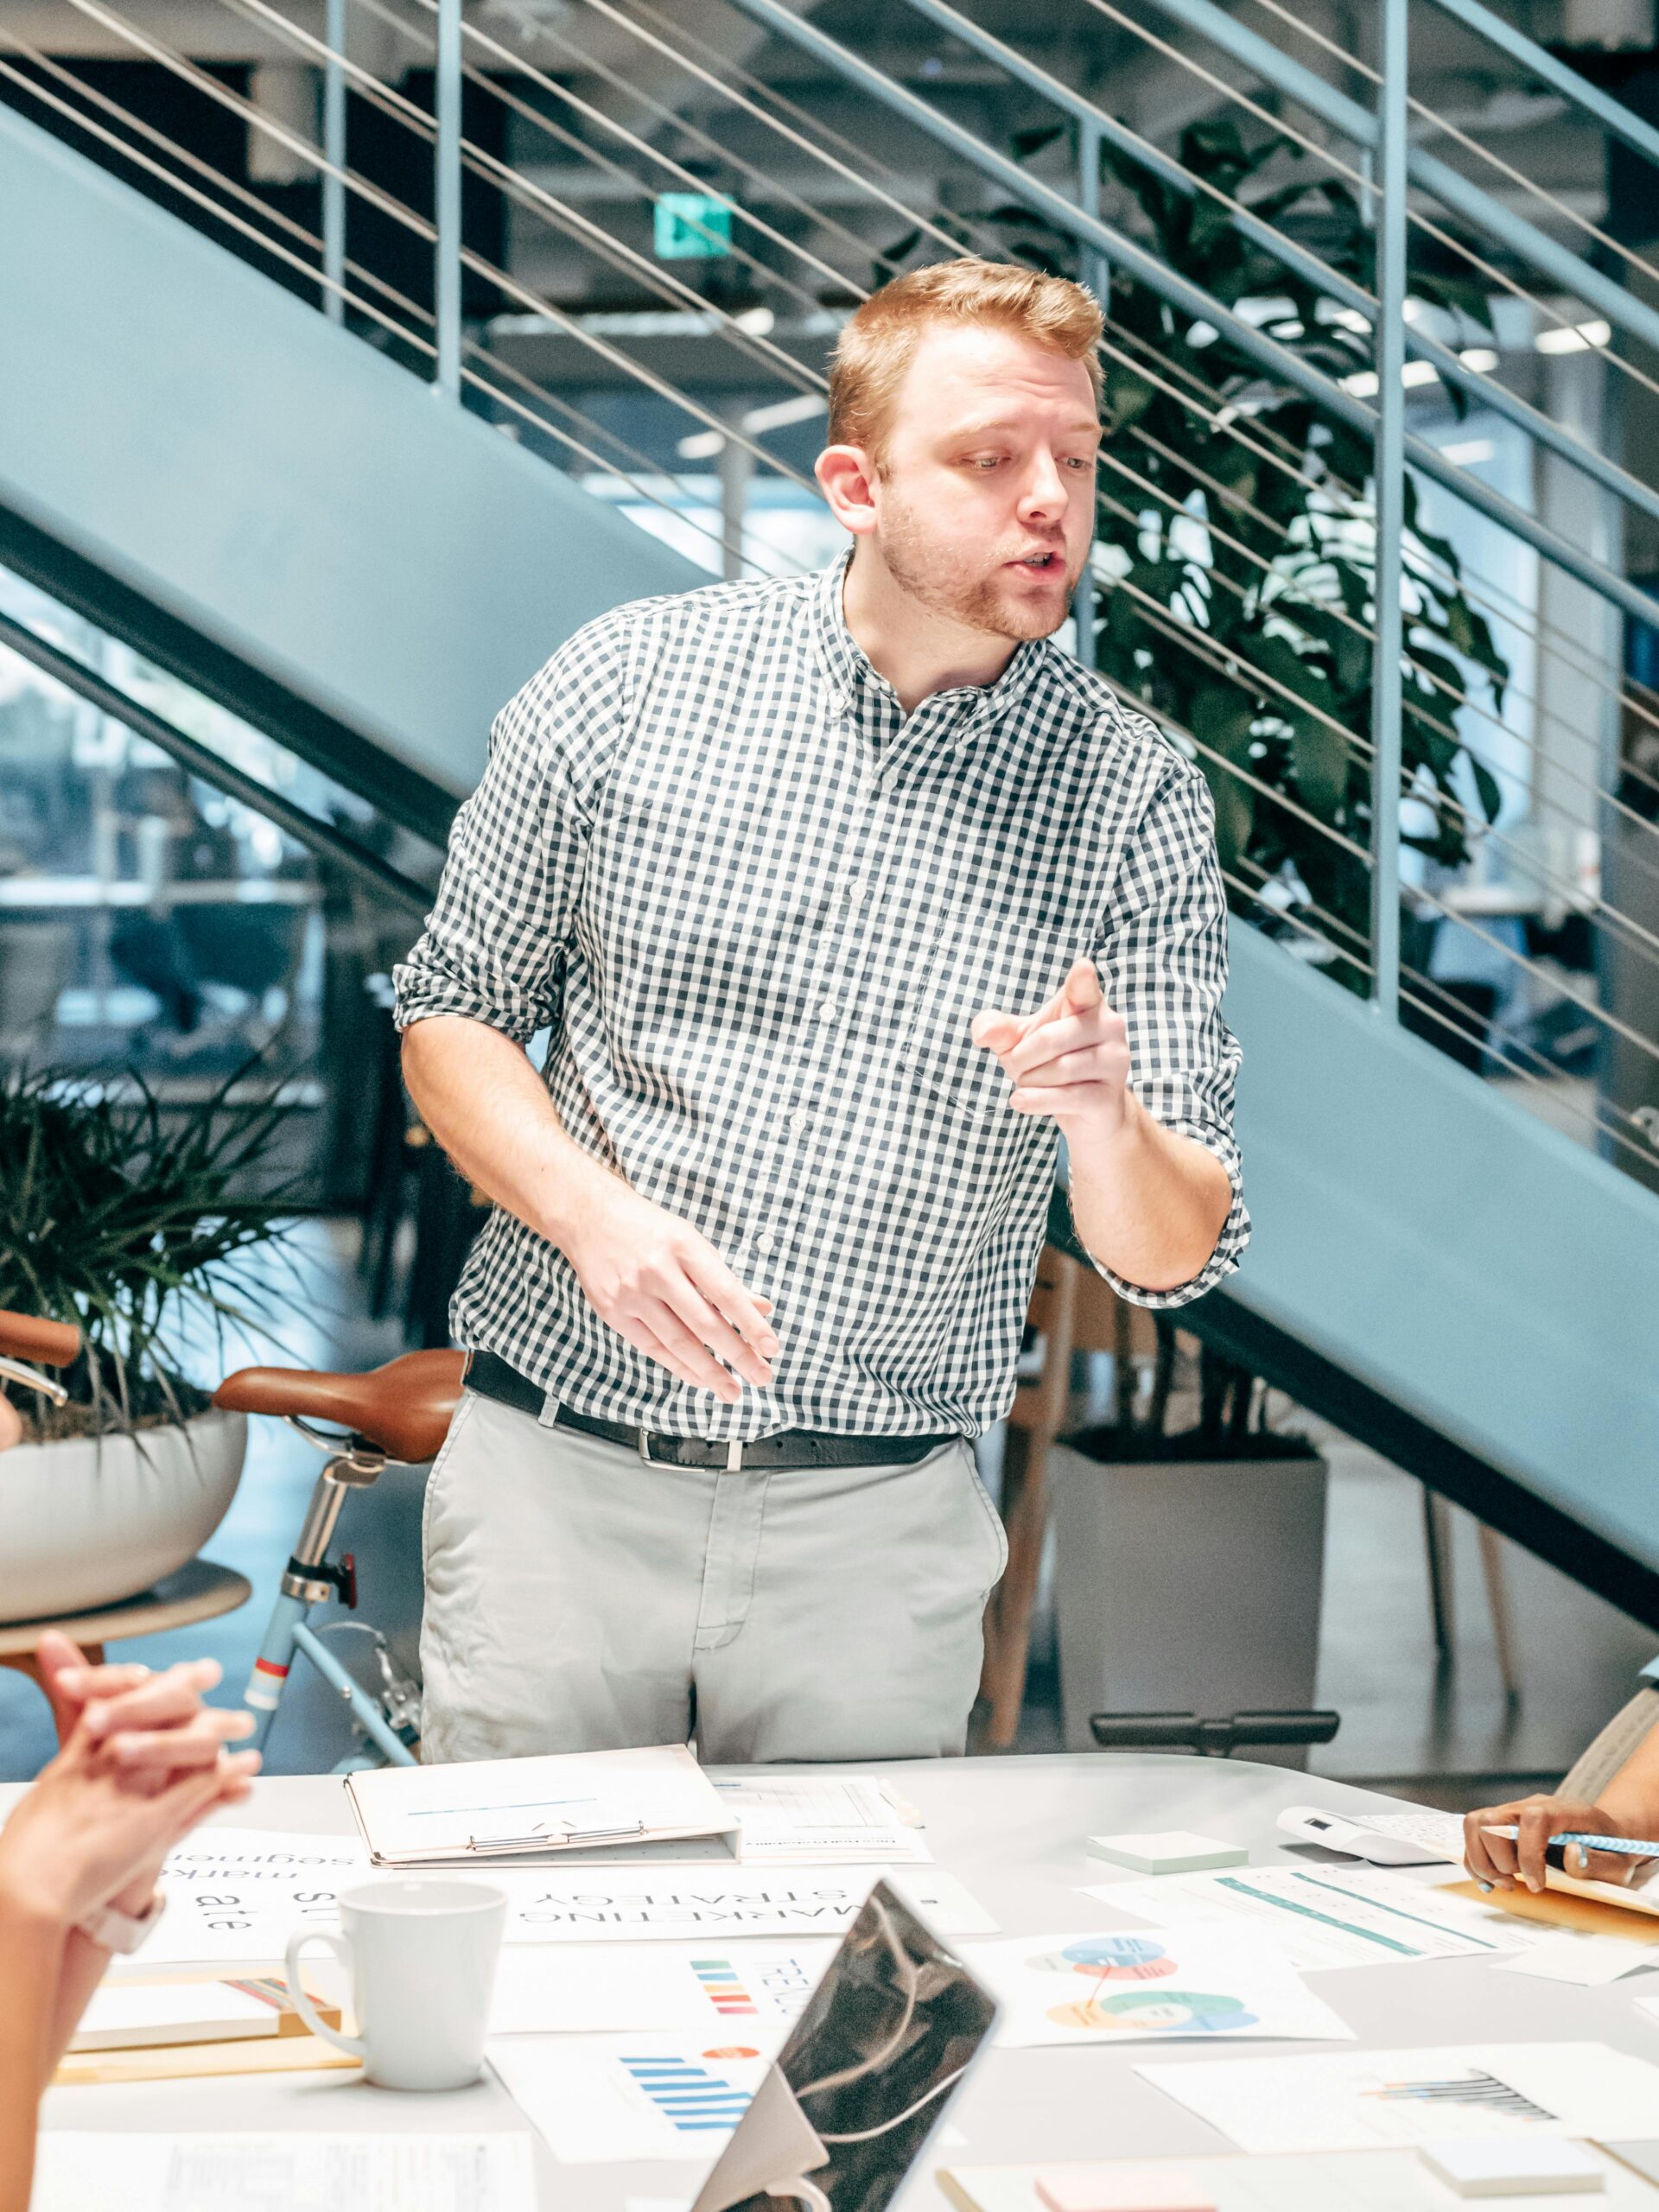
{"type": "Point", "coordinates": [361, 466]}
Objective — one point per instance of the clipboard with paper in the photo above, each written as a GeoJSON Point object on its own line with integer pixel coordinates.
{"type": "Point", "coordinates": [527, 1808]}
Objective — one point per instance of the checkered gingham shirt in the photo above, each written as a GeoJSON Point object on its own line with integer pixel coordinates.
{"type": "Point", "coordinates": [758, 905]}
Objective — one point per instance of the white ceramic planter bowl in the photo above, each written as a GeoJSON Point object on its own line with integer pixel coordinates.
{"type": "Point", "coordinates": [93, 1520]}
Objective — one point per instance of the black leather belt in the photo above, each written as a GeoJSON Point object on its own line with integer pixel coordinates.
{"type": "Point", "coordinates": [791, 1447]}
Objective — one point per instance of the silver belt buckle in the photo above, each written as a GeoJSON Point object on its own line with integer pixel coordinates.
{"type": "Point", "coordinates": [642, 1437]}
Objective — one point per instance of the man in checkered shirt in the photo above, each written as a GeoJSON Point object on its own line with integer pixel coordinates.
{"type": "Point", "coordinates": [815, 884]}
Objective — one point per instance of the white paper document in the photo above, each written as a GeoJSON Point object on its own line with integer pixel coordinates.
{"type": "Point", "coordinates": [679, 1988]}
{"type": "Point", "coordinates": [1331, 1916]}
{"type": "Point", "coordinates": [1361, 2100]}
{"type": "Point", "coordinates": [1584, 1959]}
{"type": "Point", "coordinates": [632, 2097]}
{"type": "Point", "coordinates": [1221, 1984]}
{"type": "Point", "coordinates": [407, 2172]}
{"type": "Point", "coordinates": [1345, 2181]}
{"type": "Point", "coordinates": [477, 1808]}
{"type": "Point", "coordinates": [633, 1904]}
{"type": "Point", "coordinates": [234, 1896]}
{"type": "Point", "coordinates": [834, 1820]}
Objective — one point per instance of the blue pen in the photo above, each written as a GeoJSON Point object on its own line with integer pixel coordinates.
{"type": "Point", "coordinates": [1629, 1847]}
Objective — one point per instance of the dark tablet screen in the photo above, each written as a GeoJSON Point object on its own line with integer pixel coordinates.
{"type": "Point", "coordinates": [871, 2063]}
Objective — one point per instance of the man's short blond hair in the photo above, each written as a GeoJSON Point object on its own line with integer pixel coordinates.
{"type": "Point", "coordinates": [879, 340]}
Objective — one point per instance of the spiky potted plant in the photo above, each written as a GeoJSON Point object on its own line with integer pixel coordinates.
{"type": "Point", "coordinates": [135, 1223]}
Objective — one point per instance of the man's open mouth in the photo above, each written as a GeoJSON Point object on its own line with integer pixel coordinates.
{"type": "Point", "coordinates": [1048, 560]}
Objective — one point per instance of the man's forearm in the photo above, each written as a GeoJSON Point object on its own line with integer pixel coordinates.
{"type": "Point", "coordinates": [1147, 1202]}
{"type": "Point", "coordinates": [488, 1108]}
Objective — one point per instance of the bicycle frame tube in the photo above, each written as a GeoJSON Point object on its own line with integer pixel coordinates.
{"type": "Point", "coordinates": [308, 1580]}
{"type": "Point", "coordinates": [364, 1710]}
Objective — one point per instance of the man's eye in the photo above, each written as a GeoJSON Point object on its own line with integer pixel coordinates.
{"type": "Point", "coordinates": [985, 461]}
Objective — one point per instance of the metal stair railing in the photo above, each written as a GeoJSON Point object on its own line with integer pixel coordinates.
{"type": "Point", "coordinates": [824, 279]}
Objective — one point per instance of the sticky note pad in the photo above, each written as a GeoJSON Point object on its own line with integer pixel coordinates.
{"type": "Point", "coordinates": [1123, 2189]}
{"type": "Point", "coordinates": [1516, 2165]}
{"type": "Point", "coordinates": [1177, 1851]}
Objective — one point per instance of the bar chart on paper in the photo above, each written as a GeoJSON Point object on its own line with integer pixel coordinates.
{"type": "Point", "coordinates": [693, 2099]}
{"type": "Point", "coordinates": [616, 2097]}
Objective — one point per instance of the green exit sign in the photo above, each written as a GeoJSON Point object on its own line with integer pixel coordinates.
{"type": "Point", "coordinates": [690, 226]}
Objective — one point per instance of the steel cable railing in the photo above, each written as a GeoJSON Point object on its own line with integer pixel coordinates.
{"type": "Point", "coordinates": [805, 280]}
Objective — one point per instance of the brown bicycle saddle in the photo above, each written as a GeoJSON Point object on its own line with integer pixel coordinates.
{"type": "Point", "coordinates": [403, 1406]}
{"type": "Point", "coordinates": [26, 1336]}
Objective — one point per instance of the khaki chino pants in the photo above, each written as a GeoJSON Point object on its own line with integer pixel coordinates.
{"type": "Point", "coordinates": [579, 1598]}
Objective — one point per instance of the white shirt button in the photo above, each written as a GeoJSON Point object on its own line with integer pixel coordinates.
{"type": "Point", "coordinates": [764, 1240]}
{"type": "Point", "coordinates": [798, 1119]}
{"type": "Point", "coordinates": [829, 1010]}
{"type": "Point", "coordinates": [856, 888]}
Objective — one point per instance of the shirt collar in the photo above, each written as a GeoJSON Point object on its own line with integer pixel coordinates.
{"type": "Point", "coordinates": [849, 671]}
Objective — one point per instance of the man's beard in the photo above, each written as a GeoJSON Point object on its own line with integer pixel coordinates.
{"type": "Point", "coordinates": [957, 587]}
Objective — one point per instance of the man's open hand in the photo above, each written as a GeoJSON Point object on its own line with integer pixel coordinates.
{"type": "Point", "coordinates": [664, 1286]}
{"type": "Point", "coordinates": [1071, 1058]}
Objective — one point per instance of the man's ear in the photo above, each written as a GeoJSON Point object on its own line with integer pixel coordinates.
{"type": "Point", "coordinates": [847, 478]}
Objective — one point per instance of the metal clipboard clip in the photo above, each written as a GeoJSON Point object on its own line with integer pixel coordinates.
{"type": "Point", "coordinates": [544, 1837]}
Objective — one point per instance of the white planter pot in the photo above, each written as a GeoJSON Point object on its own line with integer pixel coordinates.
{"type": "Point", "coordinates": [93, 1520]}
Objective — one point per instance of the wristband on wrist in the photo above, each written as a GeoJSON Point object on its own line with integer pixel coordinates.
{"type": "Point", "coordinates": [122, 1931]}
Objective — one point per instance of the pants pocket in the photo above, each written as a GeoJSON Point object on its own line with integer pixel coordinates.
{"type": "Point", "coordinates": [999, 1535]}
{"type": "Point", "coordinates": [457, 1422]}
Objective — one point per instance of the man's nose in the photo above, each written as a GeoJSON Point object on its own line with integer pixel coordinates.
{"type": "Point", "coordinates": [1044, 493]}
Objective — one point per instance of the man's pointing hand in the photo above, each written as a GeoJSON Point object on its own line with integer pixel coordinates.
{"type": "Point", "coordinates": [1071, 1058]}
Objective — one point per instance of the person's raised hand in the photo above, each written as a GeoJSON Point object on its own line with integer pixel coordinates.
{"type": "Point", "coordinates": [151, 1725]}
{"type": "Point", "coordinates": [1071, 1058]}
{"type": "Point", "coordinates": [86, 1833]}
{"type": "Point", "coordinates": [1503, 1864]}
{"type": "Point", "coordinates": [659, 1283]}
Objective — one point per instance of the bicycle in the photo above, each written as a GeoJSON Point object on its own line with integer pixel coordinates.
{"type": "Point", "coordinates": [25, 1337]}
{"type": "Point", "coordinates": [401, 1413]}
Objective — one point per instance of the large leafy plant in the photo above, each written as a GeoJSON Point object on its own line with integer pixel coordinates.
{"type": "Point", "coordinates": [132, 1222]}
{"type": "Point", "coordinates": [1241, 539]}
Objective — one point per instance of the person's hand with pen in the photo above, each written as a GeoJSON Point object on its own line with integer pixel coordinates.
{"type": "Point", "coordinates": [1627, 1808]}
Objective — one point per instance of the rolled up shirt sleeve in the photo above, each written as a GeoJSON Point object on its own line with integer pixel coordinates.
{"type": "Point", "coordinates": [1162, 958]}
{"type": "Point", "coordinates": [494, 944]}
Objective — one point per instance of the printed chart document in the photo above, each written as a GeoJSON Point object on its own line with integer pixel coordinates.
{"type": "Point", "coordinates": [681, 1988]}
{"type": "Point", "coordinates": [1329, 1916]}
{"type": "Point", "coordinates": [1221, 1983]}
{"type": "Point", "coordinates": [410, 2172]}
{"type": "Point", "coordinates": [486, 1809]}
{"type": "Point", "coordinates": [807, 1820]}
{"type": "Point", "coordinates": [632, 2097]}
{"type": "Point", "coordinates": [1364, 2100]}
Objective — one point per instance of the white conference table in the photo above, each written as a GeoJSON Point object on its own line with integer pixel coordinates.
{"type": "Point", "coordinates": [1013, 1829]}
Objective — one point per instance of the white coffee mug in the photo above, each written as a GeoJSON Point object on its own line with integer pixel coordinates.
{"type": "Point", "coordinates": [421, 1955]}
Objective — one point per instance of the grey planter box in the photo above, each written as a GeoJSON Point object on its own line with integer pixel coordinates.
{"type": "Point", "coordinates": [1188, 1587]}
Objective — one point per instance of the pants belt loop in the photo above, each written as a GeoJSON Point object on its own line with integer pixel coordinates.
{"type": "Point", "coordinates": [733, 1458]}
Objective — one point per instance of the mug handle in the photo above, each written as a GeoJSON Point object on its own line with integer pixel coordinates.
{"type": "Point", "coordinates": [354, 2046]}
